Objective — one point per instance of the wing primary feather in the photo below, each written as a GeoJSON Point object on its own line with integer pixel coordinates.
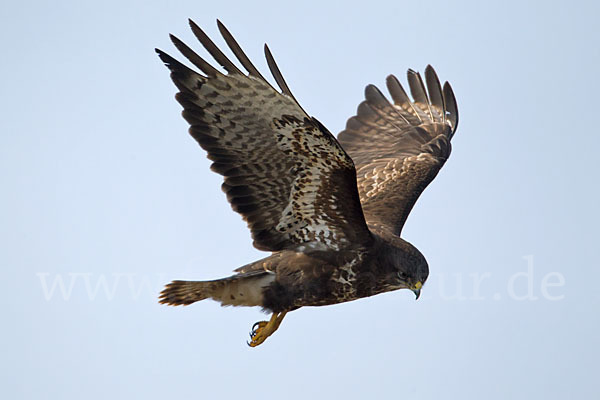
{"type": "Point", "coordinates": [435, 91]}
{"type": "Point", "coordinates": [214, 50]}
{"type": "Point", "coordinates": [194, 58]}
{"type": "Point", "coordinates": [239, 53]}
{"type": "Point", "coordinates": [417, 89]}
{"type": "Point", "coordinates": [278, 76]}
{"type": "Point", "coordinates": [173, 64]}
{"type": "Point", "coordinates": [374, 96]}
{"type": "Point", "coordinates": [399, 94]}
{"type": "Point", "coordinates": [451, 107]}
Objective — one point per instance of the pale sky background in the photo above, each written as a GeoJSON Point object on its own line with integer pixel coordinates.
{"type": "Point", "coordinates": [101, 184]}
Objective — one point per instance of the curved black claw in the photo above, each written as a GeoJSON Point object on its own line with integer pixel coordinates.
{"type": "Point", "coordinates": [254, 333]}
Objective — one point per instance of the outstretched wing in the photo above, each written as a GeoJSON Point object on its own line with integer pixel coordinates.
{"type": "Point", "coordinates": [399, 148]}
{"type": "Point", "coordinates": [285, 173]}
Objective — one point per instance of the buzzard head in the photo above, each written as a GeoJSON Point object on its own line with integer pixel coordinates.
{"type": "Point", "coordinates": [413, 276]}
{"type": "Point", "coordinates": [407, 267]}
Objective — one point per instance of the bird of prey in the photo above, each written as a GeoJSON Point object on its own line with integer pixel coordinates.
{"type": "Point", "coordinates": [329, 210]}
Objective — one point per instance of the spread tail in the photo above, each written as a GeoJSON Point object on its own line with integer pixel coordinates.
{"type": "Point", "coordinates": [244, 289]}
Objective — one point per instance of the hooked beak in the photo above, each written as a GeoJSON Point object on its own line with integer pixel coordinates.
{"type": "Point", "coordinates": [417, 290]}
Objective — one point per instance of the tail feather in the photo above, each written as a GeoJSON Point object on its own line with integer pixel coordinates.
{"type": "Point", "coordinates": [179, 293]}
{"type": "Point", "coordinates": [236, 290]}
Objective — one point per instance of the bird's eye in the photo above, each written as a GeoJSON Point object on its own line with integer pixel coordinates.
{"type": "Point", "coordinates": [402, 275]}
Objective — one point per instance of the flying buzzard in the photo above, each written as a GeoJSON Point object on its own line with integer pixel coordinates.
{"type": "Point", "coordinates": [329, 211]}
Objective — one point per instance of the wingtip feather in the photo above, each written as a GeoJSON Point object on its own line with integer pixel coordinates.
{"type": "Point", "coordinates": [451, 106]}
{"type": "Point", "coordinates": [193, 57]}
{"type": "Point", "coordinates": [435, 93]}
{"type": "Point", "coordinates": [238, 52]}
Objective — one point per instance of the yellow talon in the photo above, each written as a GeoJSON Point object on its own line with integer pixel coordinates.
{"type": "Point", "coordinates": [263, 329]}
{"type": "Point", "coordinates": [257, 327]}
